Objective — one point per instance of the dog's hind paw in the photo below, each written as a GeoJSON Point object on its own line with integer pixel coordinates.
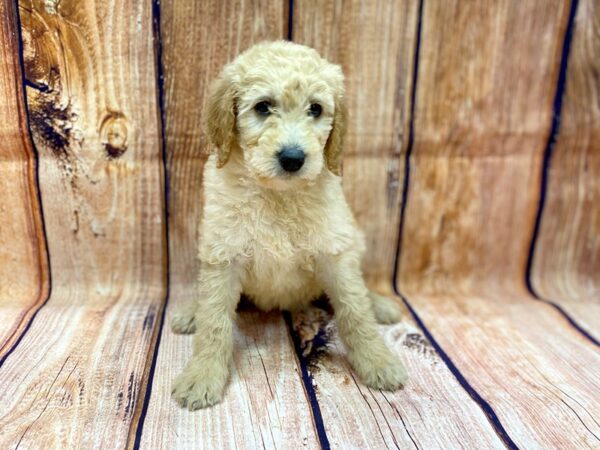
{"type": "Point", "coordinates": [386, 310]}
{"type": "Point", "coordinates": [183, 321]}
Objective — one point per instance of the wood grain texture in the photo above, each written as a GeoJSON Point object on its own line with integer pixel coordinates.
{"type": "Point", "coordinates": [198, 39]}
{"type": "Point", "coordinates": [23, 259]}
{"type": "Point", "coordinates": [374, 43]}
{"type": "Point", "coordinates": [487, 77]}
{"type": "Point", "coordinates": [75, 378]}
{"type": "Point", "coordinates": [264, 404]}
{"type": "Point", "coordinates": [566, 267]}
{"type": "Point", "coordinates": [536, 372]}
{"type": "Point", "coordinates": [356, 416]}
{"type": "Point", "coordinates": [482, 119]}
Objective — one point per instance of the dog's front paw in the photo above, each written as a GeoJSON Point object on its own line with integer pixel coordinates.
{"type": "Point", "coordinates": [389, 374]}
{"type": "Point", "coordinates": [199, 386]}
{"type": "Point", "coordinates": [391, 377]}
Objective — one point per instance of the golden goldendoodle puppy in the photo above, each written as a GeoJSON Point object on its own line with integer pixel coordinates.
{"type": "Point", "coordinates": [276, 225]}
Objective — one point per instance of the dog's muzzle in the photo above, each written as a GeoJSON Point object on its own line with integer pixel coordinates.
{"type": "Point", "coordinates": [291, 158]}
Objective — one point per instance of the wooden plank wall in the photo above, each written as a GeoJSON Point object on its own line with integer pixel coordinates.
{"type": "Point", "coordinates": [567, 255]}
{"type": "Point", "coordinates": [92, 102]}
{"type": "Point", "coordinates": [375, 43]}
{"type": "Point", "coordinates": [475, 176]}
{"type": "Point", "coordinates": [472, 163]}
{"type": "Point", "coordinates": [23, 262]}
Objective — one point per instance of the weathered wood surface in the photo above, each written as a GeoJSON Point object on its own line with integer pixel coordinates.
{"type": "Point", "coordinates": [501, 368]}
{"type": "Point", "coordinates": [264, 405]}
{"type": "Point", "coordinates": [356, 416]}
{"type": "Point", "coordinates": [566, 267]}
{"type": "Point", "coordinates": [474, 180]}
{"type": "Point", "coordinates": [538, 374]}
{"type": "Point", "coordinates": [374, 42]}
{"type": "Point", "coordinates": [23, 260]}
{"type": "Point", "coordinates": [480, 135]}
{"type": "Point", "coordinates": [75, 378]}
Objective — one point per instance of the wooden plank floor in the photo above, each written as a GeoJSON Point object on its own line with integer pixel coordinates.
{"type": "Point", "coordinates": [265, 404]}
{"type": "Point", "coordinates": [538, 388]}
{"type": "Point", "coordinates": [356, 416]}
{"type": "Point", "coordinates": [543, 386]}
{"type": "Point", "coordinates": [76, 376]}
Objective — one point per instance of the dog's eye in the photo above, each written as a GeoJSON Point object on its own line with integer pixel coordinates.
{"type": "Point", "coordinates": [315, 110]}
{"type": "Point", "coordinates": [263, 108]}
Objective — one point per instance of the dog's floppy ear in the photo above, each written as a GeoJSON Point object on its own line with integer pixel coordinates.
{"type": "Point", "coordinates": [221, 116]}
{"type": "Point", "coordinates": [335, 142]}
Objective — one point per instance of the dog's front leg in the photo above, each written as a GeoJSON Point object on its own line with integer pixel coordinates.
{"type": "Point", "coordinates": [370, 358]}
{"type": "Point", "coordinates": [203, 380]}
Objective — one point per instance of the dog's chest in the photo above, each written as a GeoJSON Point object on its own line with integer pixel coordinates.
{"type": "Point", "coordinates": [278, 228]}
{"type": "Point", "coordinates": [277, 238]}
{"type": "Point", "coordinates": [275, 282]}
{"type": "Point", "coordinates": [280, 251]}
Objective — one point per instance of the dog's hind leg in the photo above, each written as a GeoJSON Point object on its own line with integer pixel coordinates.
{"type": "Point", "coordinates": [385, 309]}
{"type": "Point", "coordinates": [183, 321]}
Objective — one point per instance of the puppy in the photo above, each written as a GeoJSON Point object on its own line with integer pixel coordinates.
{"type": "Point", "coordinates": [276, 226]}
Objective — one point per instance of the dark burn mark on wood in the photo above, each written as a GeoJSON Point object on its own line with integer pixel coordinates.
{"type": "Point", "coordinates": [113, 152]}
{"type": "Point", "coordinates": [52, 122]}
{"type": "Point", "coordinates": [81, 385]}
{"type": "Point", "coordinates": [119, 400]}
{"type": "Point", "coordinates": [37, 86]}
{"type": "Point", "coordinates": [51, 113]}
{"type": "Point", "coordinates": [149, 319]}
{"type": "Point", "coordinates": [418, 343]}
{"type": "Point", "coordinates": [131, 394]}
{"type": "Point", "coordinates": [75, 228]}
{"type": "Point", "coordinates": [393, 183]}
{"type": "Point", "coordinates": [315, 328]}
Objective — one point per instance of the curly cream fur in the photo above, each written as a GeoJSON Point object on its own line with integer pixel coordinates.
{"type": "Point", "coordinates": [281, 239]}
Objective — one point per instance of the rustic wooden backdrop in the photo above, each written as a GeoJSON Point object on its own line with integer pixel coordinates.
{"type": "Point", "coordinates": [472, 163]}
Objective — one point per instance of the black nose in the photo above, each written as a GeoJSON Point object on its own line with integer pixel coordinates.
{"type": "Point", "coordinates": [291, 158]}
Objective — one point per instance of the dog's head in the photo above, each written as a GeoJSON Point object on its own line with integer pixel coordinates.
{"type": "Point", "coordinates": [282, 107]}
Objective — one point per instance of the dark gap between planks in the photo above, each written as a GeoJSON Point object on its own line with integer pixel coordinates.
{"type": "Point", "coordinates": [155, 346]}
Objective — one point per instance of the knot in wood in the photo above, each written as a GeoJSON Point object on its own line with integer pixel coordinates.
{"type": "Point", "coordinates": [113, 133]}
